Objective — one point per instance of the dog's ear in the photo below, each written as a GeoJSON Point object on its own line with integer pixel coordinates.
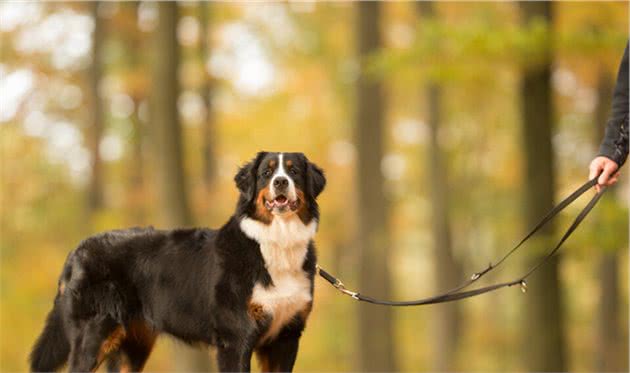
{"type": "Point", "coordinates": [245, 178]}
{"type": "Point", "coordinates": [315, 178]}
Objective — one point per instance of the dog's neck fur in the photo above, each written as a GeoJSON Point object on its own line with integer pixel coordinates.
{"type": "Point", "coordinates": [283, 242]}
{"type": "Point", "coordinates": [283, 245]}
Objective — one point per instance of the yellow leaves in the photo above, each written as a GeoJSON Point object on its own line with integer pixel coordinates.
{"type": "Point", "coordinates": [475, 48]}
{"type": "Point", "coordinates": [106, 219]}
{"type": "Point", "coordinates": [465, 46]}
{"type": "Point", "coordinates": [607, 229]}
{"type": "Point", "coordinates": [28, 285]}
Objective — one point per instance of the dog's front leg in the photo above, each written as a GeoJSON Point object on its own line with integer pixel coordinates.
{"type": "Point", "coordinates": [234, 358]}
{"type": "Point", "coordinates": [279, 354]}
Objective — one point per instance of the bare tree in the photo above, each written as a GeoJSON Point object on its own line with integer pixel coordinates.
{"type": "Point", "coordinates": [95, 131]}
{"type": "Point", "coordinates": [206, 94]}
{"type": "Point", "coordinates": [134, 63]}
{"type": "Point", "coordinates": [543, 327]}
{"type": "Point", "coordinates": [376, 342]}
{"type": "Point", "coordinates": [610, 343]}
{"type": "Point", "coordinates": [167, 148]}
{"type": "Point", "coordinates": [446, 317]}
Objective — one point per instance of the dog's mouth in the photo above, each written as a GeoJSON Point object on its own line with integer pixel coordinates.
{"type": "Point", "coordinates": [281, 202]}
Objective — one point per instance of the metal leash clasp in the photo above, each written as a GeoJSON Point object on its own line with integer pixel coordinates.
{"type": "Point", "coordinates": [342, 288]}
{"type": "Point", "coordinates": [336, 283]}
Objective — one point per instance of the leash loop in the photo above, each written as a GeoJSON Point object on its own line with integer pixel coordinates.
{"type": "Point", "coordinates": [457, 293]}
{"type": "Point", "coordinates": [477, 275]}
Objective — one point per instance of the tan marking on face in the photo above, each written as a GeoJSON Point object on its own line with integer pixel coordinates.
{"type": "Point", "coordinates": [262, 213]}
{"type": "Point", "coordinates": [289, 163]}
{"type": "Point", "coordinates": [302, 210]}
{"type": "Point", "coordinates": [272, 163]}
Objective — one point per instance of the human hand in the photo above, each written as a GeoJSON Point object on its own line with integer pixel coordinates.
{"type": "Point", "coordinates": [608, 169]}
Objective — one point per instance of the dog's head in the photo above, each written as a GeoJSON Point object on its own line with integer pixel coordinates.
{"type": "Point", "coordinates": [279, 185]}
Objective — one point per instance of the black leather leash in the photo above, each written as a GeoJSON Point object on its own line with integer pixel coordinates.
{"type": "Point", "coordinates": [457, 292]}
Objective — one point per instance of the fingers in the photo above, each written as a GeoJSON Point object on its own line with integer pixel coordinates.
{"type": "Point", "coordinates": [606, 169]}
{"type": "Point", "coordinates": [609, 169]}
{"type": "Point", "coordinates": [613, 179]}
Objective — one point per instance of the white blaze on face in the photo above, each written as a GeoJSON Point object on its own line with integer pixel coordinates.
{"type": "Point", "coordinates": [280, 172]}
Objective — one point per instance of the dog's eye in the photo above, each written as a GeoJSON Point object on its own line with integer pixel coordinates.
{"type": "Point", "coordinates": [267, 172]}
{"type": "Point", "coordinates": [293, 171]}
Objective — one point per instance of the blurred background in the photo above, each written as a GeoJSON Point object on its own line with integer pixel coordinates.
{"type": "Point", "coordinates": [446, 130]}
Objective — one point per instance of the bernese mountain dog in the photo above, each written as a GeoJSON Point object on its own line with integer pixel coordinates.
{"type": "Point", "coordinates": [246, 287]}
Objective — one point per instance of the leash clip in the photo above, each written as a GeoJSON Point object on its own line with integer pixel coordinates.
{"type": "Point", "coordinates": [523, 284]}
{"type": "Point", "coordinates": [342, 288]}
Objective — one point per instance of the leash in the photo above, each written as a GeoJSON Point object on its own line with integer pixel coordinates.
{"type": "Point", "coordinates": [457, 293]}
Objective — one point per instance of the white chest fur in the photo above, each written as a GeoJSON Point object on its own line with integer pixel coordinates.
{"type": "Point", "coordinates": [283, 245]}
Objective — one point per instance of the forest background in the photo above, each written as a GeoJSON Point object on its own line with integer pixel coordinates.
{"type": "Point", "coordinates": [446, 129]}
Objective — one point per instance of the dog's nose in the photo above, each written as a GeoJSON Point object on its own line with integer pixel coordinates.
{"type": "Point", "coordinates": [281, 182]}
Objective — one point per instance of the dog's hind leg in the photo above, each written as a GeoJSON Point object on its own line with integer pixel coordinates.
{"type": "Point", "coordinates": [138, 344]}
{"type": "Point", "coordinates": [235, 358]}
{"type": "Point", "coordinates": [116, 362]}
{"type": "Point", "coordinates": [96, 338]}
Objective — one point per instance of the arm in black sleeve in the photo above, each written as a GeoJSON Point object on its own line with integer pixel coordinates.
{"type": "Point", "coordinates": [615, 143]}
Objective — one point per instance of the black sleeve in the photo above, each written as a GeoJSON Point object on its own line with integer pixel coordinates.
{"type": "Point", "coordinates": [615, 144]}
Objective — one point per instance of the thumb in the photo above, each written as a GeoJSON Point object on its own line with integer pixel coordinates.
{"type": "Point", "coordinates": [594, 169]}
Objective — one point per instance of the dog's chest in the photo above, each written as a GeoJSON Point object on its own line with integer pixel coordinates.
{"type": "Point", "coordinates": [283, 245]}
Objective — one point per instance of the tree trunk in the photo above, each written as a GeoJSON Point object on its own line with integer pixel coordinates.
{"type": "Point", "coordinates": [610, 349]}
{"type": "Point", "coordinates": [543, 348]}
{"type": "Point", "coordinates": [165, 119]}
{"type": "Point", "coordinates": [206, 94]}
{"type": "Point", "coordinates": [610, 353]}
{"type": "Point", "coordinates": [447, 269]}
{"type": "Point", "coordinates": [376, 341]}
{"type": "Point", "coordinates": [167, 150]}
{"type": "Point", "coordinates": [136, 179]}
{"type": "Point", "coordinates": [446, 317]}
{"type": "Point", "coordinates": [95, 131]}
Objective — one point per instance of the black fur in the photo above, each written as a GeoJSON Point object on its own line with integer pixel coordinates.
{"type": "Point", "coordinates": [52, 347]}
{"type": "Point", "coordinates": [245, 180]}
{"type": "Point", "coordinates": [120, 289]}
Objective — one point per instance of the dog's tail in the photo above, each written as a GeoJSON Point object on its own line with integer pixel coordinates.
{"type": "Point", "coordinates": [52, 348]}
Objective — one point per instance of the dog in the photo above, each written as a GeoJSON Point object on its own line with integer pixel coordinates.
{"type": "Point", "coordinates": [245, 288]}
